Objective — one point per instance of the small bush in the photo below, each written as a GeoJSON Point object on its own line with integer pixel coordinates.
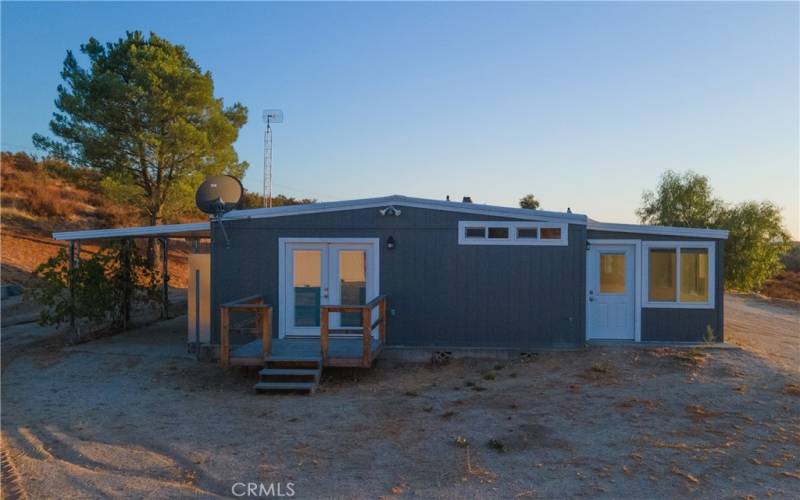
{"type": "Point", "coordinates": [601, 368]}
{"type": "Point", "coordinates": [496, 445]}
{"type": "Point", "coordinates": [709, 337]}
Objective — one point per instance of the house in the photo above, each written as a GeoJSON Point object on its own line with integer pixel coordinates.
{"type": "Point", "coordinates": [442, 276]}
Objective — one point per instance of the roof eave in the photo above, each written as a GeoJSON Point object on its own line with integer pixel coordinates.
{"type": "Point", "coordinates": [691, 232]}
{"type": "Point", "coordinates": [452, 206]}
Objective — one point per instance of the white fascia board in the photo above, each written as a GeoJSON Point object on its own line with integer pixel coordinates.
{"type": "Point", "coordinates": [451, 206]}
{"type": "Point", "coordinates": [691, 232]}
{"type": "Point", "coordinates": [133, 232]}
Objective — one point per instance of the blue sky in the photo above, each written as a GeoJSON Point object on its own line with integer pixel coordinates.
{"type": "Point", "coordinates": [583, 104]}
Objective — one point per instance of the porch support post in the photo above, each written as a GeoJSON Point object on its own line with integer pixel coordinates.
{"type": "Point", "coordinates": [366, 341]}
{"type": "Point", "coordinates": [265, 317]}
{"type": "Point", "coordinates": [71, 278]}
{"type": "Point", "coordinates": [164, 278]}
{"type": "Point", "coordinates": [323, 334]}
{"type": "Point", "coordinates": [224, 343]}
{"type": "Point", "coordinates": [382, 325]}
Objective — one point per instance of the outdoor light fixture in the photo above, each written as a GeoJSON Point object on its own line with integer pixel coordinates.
{"type": "Point", "coordinates": [390, 242]}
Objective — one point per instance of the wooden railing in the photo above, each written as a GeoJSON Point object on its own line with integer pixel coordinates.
{"type": "Point", "coordinates": [255, 305]}
{"type": "Point", "coordinates": [367, 325]}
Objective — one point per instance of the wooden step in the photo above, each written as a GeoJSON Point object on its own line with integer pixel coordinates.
{"type": "Point", "coordinates": [296, 372]}
{"type": "Point", "coordinates": [293, 362]}
{"type": "Point", "coordinates": [286, 386]}
{"type": "Point", "coordinates": [304, 359]}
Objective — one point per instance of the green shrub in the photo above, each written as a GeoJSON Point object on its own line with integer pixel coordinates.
{"type": "Point", "coordinates": [104, 284]}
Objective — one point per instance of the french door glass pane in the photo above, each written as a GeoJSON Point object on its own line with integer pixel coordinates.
{"type": "Point", "coordinates": [662, 275]}
{"type": "Point", "coordinates": [694, 275]}
{"type": "Point", "coordinates": [612, 273]}
{"type": "Point", "coordinates": [307, 274]}
{"type": "Point", "coordinates": [353, 283]}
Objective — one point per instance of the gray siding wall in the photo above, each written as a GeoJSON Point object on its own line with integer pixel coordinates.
{"type": "Point", "coordinates": [676, 324]}
{"type": "Point", "coordinates": [443, 294]}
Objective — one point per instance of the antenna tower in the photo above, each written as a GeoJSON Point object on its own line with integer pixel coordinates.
{"type": "Point", "coordinates": [270, 116]}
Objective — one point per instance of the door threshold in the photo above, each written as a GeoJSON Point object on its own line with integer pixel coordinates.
{"type": "Point", "coordinates": [612, 341]}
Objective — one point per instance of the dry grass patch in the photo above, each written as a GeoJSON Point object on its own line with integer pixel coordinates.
{"type": "Point", "coordinates": [473, 469]}
{"type": "Point", "coordinates": [601, 372]}
{"type": "Point", "coordinates": [700, 413]}
{"type": "Point", "coordinates": [648, 404]}
{"type": "Point", "coordinates": [693, 358]}
{"type": "Point", "coordinates": [792, 389]}
{"type": "Point", "coordinates": [784, 285]}
{"type": "Point", "coordinates": [678, 472]}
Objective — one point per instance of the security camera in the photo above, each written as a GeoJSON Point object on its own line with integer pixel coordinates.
{"type": "Point", "coordinates": [390, 210]}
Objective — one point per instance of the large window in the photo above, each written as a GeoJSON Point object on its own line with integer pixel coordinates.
{"type": "Point", "coordinates": [511, 233]}
{"type": "Point", "coordinates": [679, 274]}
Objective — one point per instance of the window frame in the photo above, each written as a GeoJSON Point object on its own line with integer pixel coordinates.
{"type": "Point", "coordinates": [512, 233]}
{"type": "Point", "coordinates": [710, 246]}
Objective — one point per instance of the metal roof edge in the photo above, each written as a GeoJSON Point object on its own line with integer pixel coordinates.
{"type": "Point", "coordinates": [452, 206]}
{"type": "Point", "coordinates": [124, 232]}
{"type": "Point", "coordinates": [695, 232]}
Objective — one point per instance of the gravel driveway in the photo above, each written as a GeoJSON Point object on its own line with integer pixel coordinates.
{"type": "Point", "coordinates": [767, 327]}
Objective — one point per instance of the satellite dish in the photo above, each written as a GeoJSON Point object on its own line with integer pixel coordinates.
{"type": "Point", "coordinates": [219, 194]}
{"type": "Point", "coordinates": [272, 116]}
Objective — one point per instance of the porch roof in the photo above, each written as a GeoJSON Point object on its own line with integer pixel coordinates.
{"type": "Point", "coordinates": [193, 230]}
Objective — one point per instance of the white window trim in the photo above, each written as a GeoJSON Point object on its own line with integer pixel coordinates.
{"type": "Point", "coordinates": [677, 245]}
{"type": "Point", "coordinates": [512, 233]}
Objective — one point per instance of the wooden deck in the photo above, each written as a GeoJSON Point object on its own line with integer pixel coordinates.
{"type": "Point", "coordinates": [341, 351]}
{"type": "Point", "coordinates": [333, 347]}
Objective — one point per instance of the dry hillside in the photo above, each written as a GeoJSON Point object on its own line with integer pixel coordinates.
{"type": "Point", "coordinates": [39, 197]}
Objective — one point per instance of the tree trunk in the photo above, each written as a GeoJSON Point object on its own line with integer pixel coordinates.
{"type": "Point", "coordinates": [152, 250]}
{"type": "Point", "coordinates": [126, 283]}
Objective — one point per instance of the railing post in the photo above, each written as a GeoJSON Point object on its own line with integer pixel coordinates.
{"type": "Point", "coordinates": [323, 334]}
{"type": "Point", "coordinates": [265, 315]}
{"type": "Point", "coordinates": [224, 345]}
{"type": "Point", "coordinates": [382, 324]}
{"type": "Point", "coordinates": [366, 341]}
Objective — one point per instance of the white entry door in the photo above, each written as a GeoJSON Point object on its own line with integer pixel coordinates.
{"type": "Point", "coordinates": [316, 274]}
{"type": "Point", "coordinates": [611, 304]}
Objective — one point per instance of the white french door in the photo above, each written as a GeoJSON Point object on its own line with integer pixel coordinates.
{"type": "Point", "coordinates": [324, 272]}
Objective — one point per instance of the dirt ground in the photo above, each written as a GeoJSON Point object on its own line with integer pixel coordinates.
{"type": "Point", "coordinates": [767, 327]}
{"type": "Point", "coordinates": [135, 416]}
